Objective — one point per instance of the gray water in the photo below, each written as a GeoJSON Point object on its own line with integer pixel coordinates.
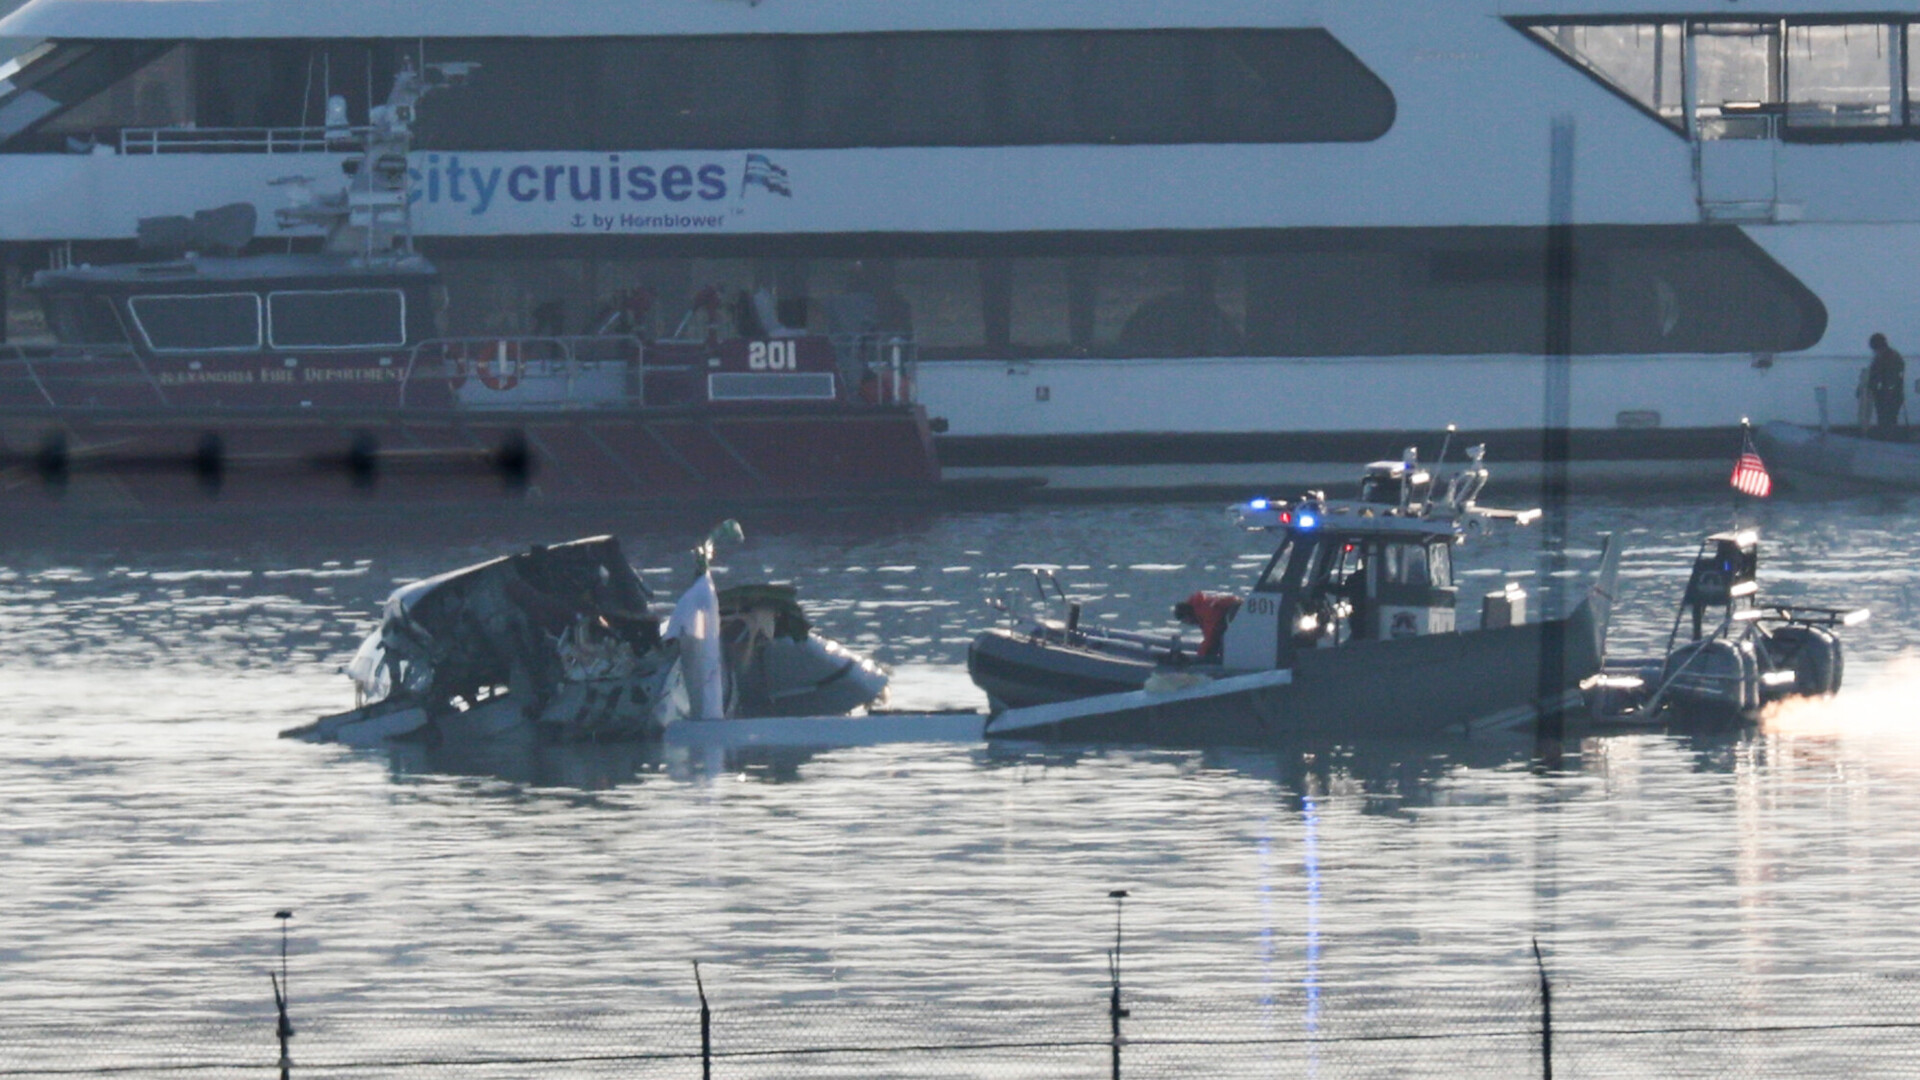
{"type": "Point", "coordinates": [151, 822]}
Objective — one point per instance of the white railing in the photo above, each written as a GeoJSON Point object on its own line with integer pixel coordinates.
{"type": "Point", "coordinates": [498, 372]}
{"type": "Point", "coordinates": [256, 140]}
{"type": "Point", "coordinates": [541, 372]}
{"type": "Point", "coordinates": [886, 363]}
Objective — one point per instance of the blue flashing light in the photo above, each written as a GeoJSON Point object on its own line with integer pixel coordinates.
{"type": "Point", "coordinates": [1306, 520]}
{"type": "Point", "coordinates": [1257, 504]}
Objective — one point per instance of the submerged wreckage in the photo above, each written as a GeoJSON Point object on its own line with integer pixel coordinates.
{"type": "Point", "coordinates": [563, 639]}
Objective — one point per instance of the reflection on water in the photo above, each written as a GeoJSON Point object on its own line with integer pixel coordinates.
{"type": "Point", "coordinates": [151, 820]}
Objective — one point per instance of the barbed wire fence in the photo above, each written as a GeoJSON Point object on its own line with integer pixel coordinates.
{"type": "Point", "coordinates": [1762, 1027]}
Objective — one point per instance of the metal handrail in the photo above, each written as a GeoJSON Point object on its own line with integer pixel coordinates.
{"type": "Point", "coordinates": [262, 140]}
{"type": "Point", "coordinates": [888, 361]}
{"type": "Point", "coordinates": [535, 358]}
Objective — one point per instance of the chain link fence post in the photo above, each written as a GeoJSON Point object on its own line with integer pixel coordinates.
{"type": "Point", "coordinates": [1114, 1012]}
{"type": "Point", "coordinates": [706, 1026]}
{"type": "Point", "coordinates": [282, 991]}
{"type": "Point", "coordinates": [1546, 1014]}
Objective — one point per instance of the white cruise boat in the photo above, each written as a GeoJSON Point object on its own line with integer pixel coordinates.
{"type": "Point", "coordinates": [1138, 244]}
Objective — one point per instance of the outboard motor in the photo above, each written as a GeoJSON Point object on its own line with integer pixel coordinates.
{"type": "Point", "coordinates": [1814, 656]}
{"type": "Point", "coordinates": [1754, 654]}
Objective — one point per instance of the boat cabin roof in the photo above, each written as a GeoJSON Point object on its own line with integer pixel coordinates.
{"type": "Point", "coordinates": [251, 271]}
{"type": "Point", "coordinates": [1344, 519]}
{"type": "Point", "coordinates": [1742, 540]}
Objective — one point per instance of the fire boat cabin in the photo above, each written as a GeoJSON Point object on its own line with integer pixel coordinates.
{"type": "Point", "coordinates": [226, 331]}
{"type": "Point", "coordinates": [300, 330]}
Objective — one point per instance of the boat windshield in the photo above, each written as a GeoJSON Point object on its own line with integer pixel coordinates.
{"type": "Point", "coordinates": [1276, 569]}
{"type": "Point", "coordinates": [1405, 564]}
{"type": "Point", "coordinates": [1344, 563]}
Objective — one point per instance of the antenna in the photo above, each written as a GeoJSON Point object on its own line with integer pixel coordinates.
{"type": "Point", "coordinates": [1444, 445]}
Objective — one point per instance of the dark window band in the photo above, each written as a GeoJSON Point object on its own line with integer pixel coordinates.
{"type": "Point", "coordinates": [767, 91]}
{"type": "Point", "coordinates": [1638, 290]}
{"type": "Point", "coordinates": [911, 89]}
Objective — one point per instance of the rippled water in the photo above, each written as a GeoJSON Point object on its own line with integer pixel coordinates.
{"type": "Point", "coordinates": [151, 822]}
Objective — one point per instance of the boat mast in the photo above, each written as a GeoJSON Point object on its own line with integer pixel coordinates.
{"type": "Point", "coordinates": [371, 219]}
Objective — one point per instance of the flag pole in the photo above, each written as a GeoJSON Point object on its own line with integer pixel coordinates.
{"type": "Point", "coordinates": [1746, 444]}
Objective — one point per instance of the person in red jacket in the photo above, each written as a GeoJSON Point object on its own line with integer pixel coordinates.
{"type": "Point", "coordinates": [1210, 611]}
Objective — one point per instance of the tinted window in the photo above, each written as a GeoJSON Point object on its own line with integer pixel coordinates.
{"type": "Point", "coordinates": [338, 319]}
{"type": "Point", "coordinates": [1477, 291]}
{"type": "Point", "coordinates": [940, 83]}
{"type": "Point", "coordinates": [1160, 307]}
{"type": "Point", "coordinates": [64, 76]}
{"type": "Point", "coordinates": [84, 320]}
{"type": "Point", "coordinates": [157, 95]}
{"type": "Point", "coordinates": [907, 89]}
{"type": "Point", "coordinates": [842, 90]}
{"type": "Point", "coordinates": [221, 321]}
{"type": "Point", "coordinates": [1274, 575]}
{"type": "Point", "coordinates": [1350, 292]}
{"type": "Point", "coordinates": [696, 92]}
{"type": "Point", "coordinates": [539, 95]}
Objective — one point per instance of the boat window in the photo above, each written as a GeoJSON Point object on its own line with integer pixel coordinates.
{"type": "Point", "coordinates": [64, 76]}
{"type": "Point", "coordinates": [964, 88]}
{"type": "Point", "coordinates": [1273, 577]}
{"type": "Point", "coordinates": [653, 92]}
{"type": "Point", "coordinates": [1468, 291]}
{"type": "Point", "coordinates": [158, 94]}
{"type": "Point", "coordinates": [1817, 78]}
{"type": "Point", "coordinates": [1037, 320]}
{"type": "Point", "coordinates": [1160, 307]}
{"type": "Point", "coordinates": [84, 320]}
{"type": "Point", "coordinates": [1912, 42]}
{"type": "Point", "coordinates": [186, 323]}
{"type": "Point", "coordinates": [942, 83]}
{"type": "Point", "coordinates": [1405, 564]}
{"type": "Point", "coordinates": [1349, 564]}
{"type": "Point", "coordinates": [1642, 61]}
{"type": "Point", "coordinates": [337, 319]}
{"type": "Point", "coordinates": [844, 85]}
{"type": "Point", "coordinates": [1737, 68]}
{"type": "Point", "coordinates": [943, 302]}
{"type": "Point", "coordinates": [1844, 76]}
{"type": "Point", "coordinates": [1440, 563]}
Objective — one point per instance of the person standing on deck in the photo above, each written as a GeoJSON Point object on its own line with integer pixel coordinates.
{"type": "Point", "coordinates": [1886, 383]}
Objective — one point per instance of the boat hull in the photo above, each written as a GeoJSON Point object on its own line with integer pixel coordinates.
{"type": "Point", "coordinates": [1406, 687]}
{"type": "Point", "coordinates": [1804, 455]}
{"type": "Point", "coordinates": [1016, 670]}
{"type": "Point", "coordinates": [1413, 686]}
{"type": "Point", "coordinates": [270, 460]}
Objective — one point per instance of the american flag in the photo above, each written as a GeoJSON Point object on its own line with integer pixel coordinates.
{"type": "Point", "coordinates": [1750, 474]}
